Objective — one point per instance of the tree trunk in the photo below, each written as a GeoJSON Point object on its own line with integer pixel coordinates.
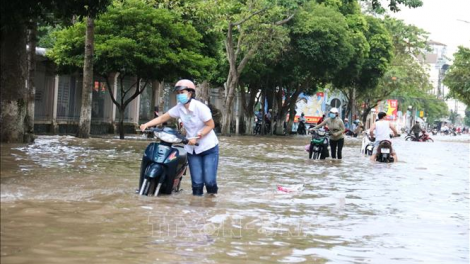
{"type": "Point", "coordinates": [87, 90]}
{"type": "Point", "coordinates": [364, 116]}
{"type": "Point", "coordinates": [249, 123]}
{"type": "Point", "coordinates": [227, 111]}
{"type": "Point", "coordinates": [161, 101]}
{"type": "Point", "coordinates": [247, 109]}
{"type": "Point", "coordinates": [282, 113]}
{"type": "Point", "coordinates": [12, 84]}
{"type": "Point", "coordinates": [31, 87]}
{"type": "Point", "coordinates": [203, 93]}
{"type": "Point", "coordinates": [292, 106]}
{"type": "Point", "coordinates": [121, 122]}
{"type": "Point", "coordinates": [353, 105]}
{"type": "Point", "coordinates": [263, 111]}
{"type": "Point", "coordinates": [154, 99]}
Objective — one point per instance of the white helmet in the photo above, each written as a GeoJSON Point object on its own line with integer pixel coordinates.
{"type": "Point", "coordinates": [334, 110]}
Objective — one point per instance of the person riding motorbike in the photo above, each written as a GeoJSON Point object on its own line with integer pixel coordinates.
{"type": "Point", "coordinates": [445, 129]}
{"type": "Point", "coordinates": [197, 119]}
{"type": "Point", "coordinates": [359, 127]}
{"type": "Point", "coordinates": [301, 128]}
{"type": "Point", "coordinates": [381, 131]}
{"type": "Point", "coordinates": [416, 128]}
{"type": "Point", "coordinates": [346, 124]}
{"type": "Point", "coordinates": [336, 129]}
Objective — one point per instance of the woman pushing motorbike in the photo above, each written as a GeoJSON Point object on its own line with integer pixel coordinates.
{"type": "Point", "coordinates": [197, 119]}
{"type": "Point", "coordinates": [336, 129]}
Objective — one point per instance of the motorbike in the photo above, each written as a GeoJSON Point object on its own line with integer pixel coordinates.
{"type": "Point", "coordinates": [384, 152]}
{"type": "Point", "coordinates": [367, 144]}
{"type": "Point", "coordinates": [163, 163]}
{"type": "Point", "coordinates": [445, 132]}
{"type": "Point", "coordinates": [350, 133]}
{"type": "Point", "coordinates": [424, 137]}
{"type": "Point", "coordinates": [434, 131]}
{"type": "Point", "coordinates": [258, 125]}
{"type": "Point", "coordinates": [318, 148]}
{"type": "Point", "coordinates": [301, 129]}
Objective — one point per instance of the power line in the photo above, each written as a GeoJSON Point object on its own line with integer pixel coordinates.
{"type": "Point", "coordinates": [465, 21]}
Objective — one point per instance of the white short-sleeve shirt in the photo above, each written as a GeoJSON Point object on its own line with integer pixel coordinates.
{"type": "Point", "coordinates": [193, 121]}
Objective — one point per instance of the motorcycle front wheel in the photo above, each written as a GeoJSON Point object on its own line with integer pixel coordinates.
{"type": "Point", "coordinates": [148, 187]}
{"type": "Point", "coordinates": [316, 155]}
{"type": "Point", "coordinates": [429, 140]}
{"type": "Point", "coordinates": [310, 151]}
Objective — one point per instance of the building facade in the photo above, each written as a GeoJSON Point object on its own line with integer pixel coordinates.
{"type": "Point", "coordinates": [58, 101]}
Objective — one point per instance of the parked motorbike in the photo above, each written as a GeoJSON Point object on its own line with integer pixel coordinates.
{"type": "Point", "coordinates": [384, 152]}
{"type": "Point", "coordinates": [164, 163]}
{"type": "Point", "coordinates": [318, 145]}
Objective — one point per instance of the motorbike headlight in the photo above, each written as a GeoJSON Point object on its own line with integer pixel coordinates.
{"type": "Point", "coordinates": [167, 137]}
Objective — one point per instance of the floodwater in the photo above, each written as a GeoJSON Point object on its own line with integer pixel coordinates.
{"type": "Point", "coordinates": [69, 200]}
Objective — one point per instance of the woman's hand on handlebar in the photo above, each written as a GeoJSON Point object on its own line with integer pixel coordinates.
{"type": "Point", "coordinates": [192, 141]}
{"type": "Point", "coordinates": [143, 127]}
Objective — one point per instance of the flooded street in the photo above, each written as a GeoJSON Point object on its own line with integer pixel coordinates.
{"type": "Point", "coordinates": [68, 200]}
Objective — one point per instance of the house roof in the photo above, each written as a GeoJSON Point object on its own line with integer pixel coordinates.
{"type": "Point", "coordinates": [432, 42]}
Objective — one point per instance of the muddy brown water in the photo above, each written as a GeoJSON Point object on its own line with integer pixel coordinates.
{"type": "Point", "coordinates": [69, 200]}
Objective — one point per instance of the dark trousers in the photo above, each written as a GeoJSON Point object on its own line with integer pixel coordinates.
{"type": "Point", "coordinates": [337, 144]}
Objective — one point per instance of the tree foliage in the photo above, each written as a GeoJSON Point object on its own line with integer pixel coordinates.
{"type": "Point", "coordinates": [135, 40]}
{"type": "Point", "coordinates": [393, 5]}
{"type": "Point", "coordinates": [458, 76]}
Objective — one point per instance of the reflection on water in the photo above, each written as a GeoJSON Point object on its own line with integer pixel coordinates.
{"type": "Point", "coordinates": [72, 200]}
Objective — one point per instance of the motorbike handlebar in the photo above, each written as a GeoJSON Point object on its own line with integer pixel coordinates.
{"type": "Point", "coordinates": [156, 129]}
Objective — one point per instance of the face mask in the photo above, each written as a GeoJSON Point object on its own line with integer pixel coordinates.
{"type": "Point", "coordinates": [182, 98]}
{"type": "Point", "coordinates": [332, 115]}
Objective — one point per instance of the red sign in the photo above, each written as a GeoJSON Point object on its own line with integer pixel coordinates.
{"type": "Point", "coordinates": [310, 119]}
{"type": "Point", "coordinates": [392, 106]}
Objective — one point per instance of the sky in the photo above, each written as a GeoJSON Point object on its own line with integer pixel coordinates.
{"type": "Point", "coordinates": [442, 19]}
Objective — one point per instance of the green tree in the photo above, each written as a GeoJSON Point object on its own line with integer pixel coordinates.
{"type": "Point", "coordinates": [374, 66]}
{"type": "Point", "coordinates": [18, 20]}
{"type": "Point", "coordinates": [393, 5]}
{"type": "Point", "coordinates": [467, 117]}
{"type": "Point", "coordinates": [458, 76]}
{"type": "Point", "coordinates": [406, 79]}
{"type": "Point", "coordinates": [348, 78]}
{"type": "Point", "coordinates": [246, 26]}
{"type": "Point", "coordinates": [133, 39]}
{"type": "Point", "coordinates": [321, 45]}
